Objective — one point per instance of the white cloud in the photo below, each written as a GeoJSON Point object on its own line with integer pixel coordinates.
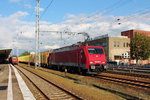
{"type": "Point", "coordinates": [18, 15]}
{"type": "Point", "coordinates": [40, 9]}
{"type": "Point", "coordinates": [9, 28]}
{"type": "Point", "coordinates": [51, 47]}
{"type": "Point", "coordinates": [144, 27]}
{"type": "Point", "coordinates": [14, 0]}
{"type": "Point", "coordinates": [27, 6]}
{"type": "Point", "coordinates": [95, 25]}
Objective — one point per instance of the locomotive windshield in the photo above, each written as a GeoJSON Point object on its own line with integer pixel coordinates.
{"type": "Point", "coordinates": [95, 50]}
{"type": "Point", "coordinates": [14, 57]}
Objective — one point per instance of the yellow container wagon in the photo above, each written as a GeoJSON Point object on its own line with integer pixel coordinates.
{"type": "Point", "coordinates": [24, 59]}
{"type": "Point", "coordinates": [31, 58]}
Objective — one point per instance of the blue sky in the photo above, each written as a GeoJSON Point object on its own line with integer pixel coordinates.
{"type": "Point", "coordinates": [60, 8]}
{"type": "Point", "coordinates": [95, 17]}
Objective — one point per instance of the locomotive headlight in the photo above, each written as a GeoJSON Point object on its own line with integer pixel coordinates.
{"type": "Point", "coordinates": [91, 62]}
{"type": "Point", "coordinates": [103, 62]}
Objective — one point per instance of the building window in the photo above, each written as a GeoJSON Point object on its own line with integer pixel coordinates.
{"type": "Point", "coordinates": [116, 44]}
{"type": "Point", "coordinates": [117, 57]}
{"type": "Point", "coordinates": [128, 45]}
{"type": "Point", "coordinates": [126, 55]}
{"type": "Point", "coordinates": [124, 44]}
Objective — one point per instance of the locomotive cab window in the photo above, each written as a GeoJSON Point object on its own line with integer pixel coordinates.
{"type": "Point", "coordinates": [95, 51]}
{"type": "Point", "coordinates": [14, 58]}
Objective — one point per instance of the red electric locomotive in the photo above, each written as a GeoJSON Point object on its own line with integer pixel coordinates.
{"type": "Point", "coordinates": [85, 59]}
{"type": "Point", "coordinates": [13, 60]}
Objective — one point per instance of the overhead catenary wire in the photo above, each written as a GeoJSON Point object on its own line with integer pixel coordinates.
{"type": "Point", "coordinates": [46, 8]}
{"type": "Point", "coordinates": [116, 5]}
{"type": "Point", "coordinates": [139, 13]}
{"type": "Point", "coordinates": [108, 9]}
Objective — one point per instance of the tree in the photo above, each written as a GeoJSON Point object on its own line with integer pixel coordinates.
{"type": "Point", "coordinates": [140, 47]}
{"type": "Point", "coordinates": [25, 53]}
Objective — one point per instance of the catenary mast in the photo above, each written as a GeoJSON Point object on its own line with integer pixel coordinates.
{"type": "Point", "coordinates": [37, 55]}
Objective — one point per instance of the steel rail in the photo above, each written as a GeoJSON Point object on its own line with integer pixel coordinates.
{"type": "Point", "coordinates": [45, 96]}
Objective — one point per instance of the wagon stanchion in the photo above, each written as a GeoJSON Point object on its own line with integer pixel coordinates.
{"type": "Point", "coordinates": [65, 71]}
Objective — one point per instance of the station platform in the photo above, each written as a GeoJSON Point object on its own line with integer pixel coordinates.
{"type": "Point", "coordinates": [12, 86]}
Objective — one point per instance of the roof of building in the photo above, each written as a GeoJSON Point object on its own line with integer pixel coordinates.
{"type": "Point", "coordinates": [136, 30]}
{"type": "Point", "coordinates": [4, 53]}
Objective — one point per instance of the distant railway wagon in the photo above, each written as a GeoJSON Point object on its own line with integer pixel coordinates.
{"type": "Point", "coordinates": [13, 60]}
{"type": "Point", "coordinates": [24, 59]}
{"type": "Point", "coordinates": [44, 57]}
{"type": "Point", "coordinates": [27, 59]}
{"type": "Point", "coordinates": [85, 59]}
{"type": "Point", "coordinates": [31, 58]}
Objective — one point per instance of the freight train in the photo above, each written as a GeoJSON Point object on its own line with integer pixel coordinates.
{"type": "Point", "coordinates": [83, 59]}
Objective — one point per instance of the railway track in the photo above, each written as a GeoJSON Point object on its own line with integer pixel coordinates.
{"type": "Point", "coordinates": [120, 93]}
{"type": "Point", "coordinates": [145, 85]}
{"type": "Point", "coordinates": [142, 75]}
{"type": "Point", "coordinates": [131, 70]}
{"type": "Point", "coordinates": [56, 93]}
